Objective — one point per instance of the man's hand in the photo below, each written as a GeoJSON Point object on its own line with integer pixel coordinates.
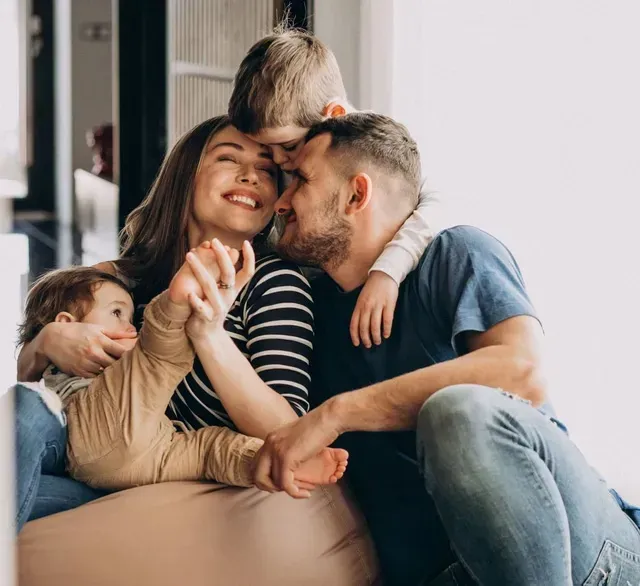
{"type": "Point", "coordinates": [290, 445]}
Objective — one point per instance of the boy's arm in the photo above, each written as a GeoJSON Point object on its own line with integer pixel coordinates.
{"type": "Point", "coordinates": [403, 253]}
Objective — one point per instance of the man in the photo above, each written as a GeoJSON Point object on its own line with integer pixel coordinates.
{"type": "Point", "coordinates": [463, 475]}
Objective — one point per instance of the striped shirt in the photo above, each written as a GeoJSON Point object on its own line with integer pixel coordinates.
{"type": "Point", "coordinates": [271, 323]}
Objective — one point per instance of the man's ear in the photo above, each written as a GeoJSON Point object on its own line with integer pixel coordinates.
{"type": "Point", "coordinates": [64, 317]}
{"type": "Point", "coordinates": [334, 109]}
{"type": "Point", "coordinates": [361, 190]}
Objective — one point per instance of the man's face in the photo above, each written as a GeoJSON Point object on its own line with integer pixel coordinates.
{"type": "Point", "coordinates": [317, 231]}
{"type": "Point", "coordinates": [285, 143]}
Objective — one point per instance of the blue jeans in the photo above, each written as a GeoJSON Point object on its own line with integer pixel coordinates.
{"type": "Point", "coordinates": [42, 486]}
{"type": "Point", "coordinates": [519, 503]}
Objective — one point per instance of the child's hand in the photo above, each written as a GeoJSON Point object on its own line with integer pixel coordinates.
{"type": "Point", "coordinates": [373, 316]}
{"type": "Point", "coordinates": [184, 282]}
{"type": "Point", "coordinates": [220, 287]}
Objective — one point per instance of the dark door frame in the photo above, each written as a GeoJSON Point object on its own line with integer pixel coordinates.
{"type": "Point", "coordinates": [300, 13]}
{"type": "Point", "coordinates": [140, 35]}
{"type": "Point", "coordinates": [41, 103]}
{"type": "Point", "coordinates": [140, 97]}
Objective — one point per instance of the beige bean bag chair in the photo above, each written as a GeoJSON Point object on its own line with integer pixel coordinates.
{"type": "Point", "coordinates": [198, 534]}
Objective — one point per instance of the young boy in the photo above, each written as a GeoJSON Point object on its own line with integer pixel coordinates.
{"type": "Point", "coordinates": [287, 82]}
{"type": "Point", "coordinates": [118, 433]}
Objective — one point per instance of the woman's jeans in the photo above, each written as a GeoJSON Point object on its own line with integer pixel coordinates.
{"type": "Point", "coordinates": [41, 437]}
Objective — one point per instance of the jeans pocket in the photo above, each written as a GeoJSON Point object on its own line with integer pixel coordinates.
{"type": "Point", "coordinates": [616, 566]}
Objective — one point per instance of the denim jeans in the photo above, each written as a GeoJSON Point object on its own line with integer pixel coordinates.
{"type": "Point", "coordinates": [41, 484]}
{"type": "Point", "coordinates": [518, 501]}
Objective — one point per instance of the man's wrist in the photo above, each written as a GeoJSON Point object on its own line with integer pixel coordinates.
{"type": "Point", "coordinates": [337, 410]}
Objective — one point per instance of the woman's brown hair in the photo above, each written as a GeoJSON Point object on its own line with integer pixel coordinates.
{"type": "Point", "coordinates": [155, 238]}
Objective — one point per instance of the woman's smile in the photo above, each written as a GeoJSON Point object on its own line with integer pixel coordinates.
{"type": "Point", "coordinates": [244, 198]}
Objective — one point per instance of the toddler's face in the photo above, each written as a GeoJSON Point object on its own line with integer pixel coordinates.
{"type": "Point", "coordinates": [285, 143]}
{"type": "Point", "coordinates": [112, 309]}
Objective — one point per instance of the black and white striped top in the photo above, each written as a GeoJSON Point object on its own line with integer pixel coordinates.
{"type": "Point", "coordinates": [271, 322]}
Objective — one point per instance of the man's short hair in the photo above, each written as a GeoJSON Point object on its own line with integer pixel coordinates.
{"type": "Point", "coordinates": [61, 290]}
{"type": "Point", "coordinates": [363, 137]}
{"type": "Point", "coordinates": [286, 79]}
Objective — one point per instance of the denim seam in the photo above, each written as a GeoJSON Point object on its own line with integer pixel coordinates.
{"type": "Point", "coordinates": [622, 551]}
{"type": "Point", "coordinates": [32, 485]}
{"type": "Point", "coordinates": [541, 485]}
{"type": "Point", "coordinates": [535, 474]}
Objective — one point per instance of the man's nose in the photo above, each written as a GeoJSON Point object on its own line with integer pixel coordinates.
{"type": "Point", "coordinates": [283, 203]}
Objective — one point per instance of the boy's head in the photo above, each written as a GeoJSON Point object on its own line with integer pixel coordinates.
{"type": "Point", "coordinates": [77, 294]}
{"type": "Point", "coordinates": [287, 82]}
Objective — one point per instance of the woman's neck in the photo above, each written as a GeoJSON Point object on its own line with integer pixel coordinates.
{"type": "Point", "coordinates": [199, 234]}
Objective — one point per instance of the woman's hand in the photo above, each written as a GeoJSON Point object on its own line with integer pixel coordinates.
{"type": "Point", "coordinates": [373, 315]}
{"type": "Point", "coordinates": [83, 349]}
{"type": "Point", "coordinates": [209, 312]}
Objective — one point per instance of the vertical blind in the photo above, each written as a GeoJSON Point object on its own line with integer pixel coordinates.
{"type": "Point", "coordinates": [207, 41]}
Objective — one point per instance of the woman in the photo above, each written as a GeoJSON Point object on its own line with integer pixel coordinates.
{"type": "Point", "coordinates": [254, 376]}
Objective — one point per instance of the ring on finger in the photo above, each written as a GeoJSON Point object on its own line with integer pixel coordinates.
{"type": "Point", "coordinates": [223, 285]}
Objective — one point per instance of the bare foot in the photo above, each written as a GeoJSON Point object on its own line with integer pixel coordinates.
{"type": "Point", "coordinates": [184, 281]}
{"type": "Point", "coordinates": [326, 468]}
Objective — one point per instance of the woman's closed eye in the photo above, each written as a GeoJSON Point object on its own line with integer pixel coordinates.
{"type": "Point", "coordinates": [117, 313]}
{"type": "Point", "coordinates": [270, 170]}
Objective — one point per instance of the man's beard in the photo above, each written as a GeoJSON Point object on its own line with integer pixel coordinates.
{"type": "Point", "coordinates": [326, 248]}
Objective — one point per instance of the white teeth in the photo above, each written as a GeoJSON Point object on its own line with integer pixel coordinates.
{"type": "Point", "coordinates": [243, 199]}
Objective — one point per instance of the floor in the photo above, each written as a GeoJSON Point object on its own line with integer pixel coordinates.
{"type": "Point", "coordinates": [34, 245]}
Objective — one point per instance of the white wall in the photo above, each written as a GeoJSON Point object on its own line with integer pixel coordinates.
{"type": "Point", "coordinates": [337, 23]}
{"type": "Point", "coordinates": [91, 77]}
{"type": "Point", "coordinates": [527, 114]}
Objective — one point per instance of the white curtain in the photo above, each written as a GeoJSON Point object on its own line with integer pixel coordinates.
{"type": "Point", "coordinates": [528, 119]}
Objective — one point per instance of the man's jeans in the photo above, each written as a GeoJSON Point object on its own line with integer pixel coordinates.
{"type": "Point", "coordinates": [518, 501]}
{"type": "Point", "coordinates": [41, 437]}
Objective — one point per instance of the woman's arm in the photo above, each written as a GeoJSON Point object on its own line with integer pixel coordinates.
{"type": "Point", "coordinates": [255, 408]}
{"type": "Point", "coordinates": [268, 387]}
{"type": "Point", "coordinates": [32, 361]}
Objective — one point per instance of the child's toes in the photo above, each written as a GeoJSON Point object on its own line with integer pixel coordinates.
{"type": "Point", "coordinates": [340, 455]}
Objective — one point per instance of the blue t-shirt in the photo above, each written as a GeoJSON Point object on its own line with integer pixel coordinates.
{"type": "Point", "coordinates": [466, 281]}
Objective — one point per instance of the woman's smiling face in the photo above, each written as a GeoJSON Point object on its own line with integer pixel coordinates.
{"type": "Point", "coordinates": [235, 186]}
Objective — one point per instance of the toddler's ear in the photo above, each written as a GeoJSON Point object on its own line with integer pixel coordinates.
{"type": "Point", "coordinates": [334, 109]}
{"type": "Point", "coordinates": [65, 317]}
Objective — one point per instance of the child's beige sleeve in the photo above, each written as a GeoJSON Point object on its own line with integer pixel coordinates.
{"type": "Point", "coordinates": [402, 254]}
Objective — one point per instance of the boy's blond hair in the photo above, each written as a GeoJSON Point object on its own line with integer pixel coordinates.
{"type": "Point", "coordinates": [286, 79]}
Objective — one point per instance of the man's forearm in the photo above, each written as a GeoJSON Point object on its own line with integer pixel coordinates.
{"type": "Point", "coordinates": [394, 404]}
